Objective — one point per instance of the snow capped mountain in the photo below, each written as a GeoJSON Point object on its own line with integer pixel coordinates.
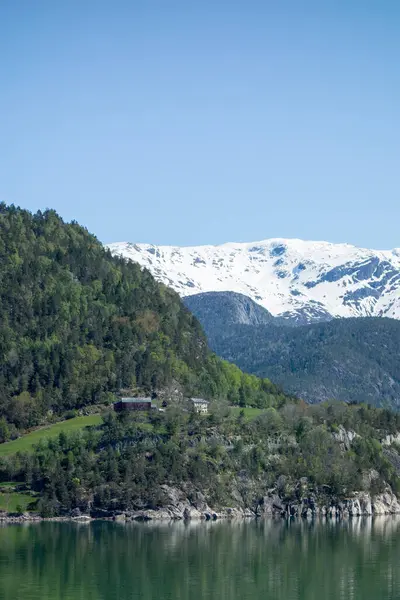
{"type": "Point", "coordinates": [304, 281]}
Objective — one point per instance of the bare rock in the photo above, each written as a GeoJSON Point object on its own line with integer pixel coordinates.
{"type": "Point", "coordinates": [270, 505]}
{"type": "Point", "coordinates": [190, 513]}
{"type": "Point", "coordinates": [391, 439]}
{"type": "Point", "coordinates": [386, 504]}
{"type": "Point", "coordinates": [345, 436]}
{"type": "Point", "coordinates": [365, 504]}
{"type": "Point", "coordinates": [354, 508]}
{"type": "Point", "coordinates": [120, 517]}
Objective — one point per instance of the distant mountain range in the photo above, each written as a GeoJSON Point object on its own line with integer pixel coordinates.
{"type": "Point", "coordinates": [305, 282]}
{"type": "Point", "coordinates": [355, 360]}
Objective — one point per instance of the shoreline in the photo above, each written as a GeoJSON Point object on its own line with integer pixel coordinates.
{"type": "Point", "coordinates": [12, 518]}
{"type": "Point", "coordinates": [180, 508]}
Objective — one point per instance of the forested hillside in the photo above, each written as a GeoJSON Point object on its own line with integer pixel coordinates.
{"type": "Point", "coordinates": [77, 324]}
{"type": "Point", "coordinates": [354, 360]}
{"type": "Point", "coordinates": [298, 455]}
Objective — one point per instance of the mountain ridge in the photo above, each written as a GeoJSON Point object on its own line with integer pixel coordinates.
{"type": "Point", "coordinates": [353, 360]}
{"type": "Point", "coordinates": [299, 280]}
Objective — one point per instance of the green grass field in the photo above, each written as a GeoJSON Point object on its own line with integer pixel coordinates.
{"type": "Point", "coordinates": [26, 442]}
{"type": "Point", "coordinates": [249, 412]}
{"type": "Point", "coordinates": [13, 501]}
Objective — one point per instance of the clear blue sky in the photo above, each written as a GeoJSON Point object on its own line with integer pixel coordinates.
{"type": "Point", "coordinates": [204, 121]}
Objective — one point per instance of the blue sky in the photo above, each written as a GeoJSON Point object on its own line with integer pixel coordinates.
{"type": "Point", "coordinates": [176, 122]}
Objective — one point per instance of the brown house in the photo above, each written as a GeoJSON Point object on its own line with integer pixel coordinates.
{"type": "Point", "coordinates": [124, 404]}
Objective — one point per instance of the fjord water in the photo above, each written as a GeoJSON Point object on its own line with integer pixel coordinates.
{"type": "Point", "coordinates": [269, 560]}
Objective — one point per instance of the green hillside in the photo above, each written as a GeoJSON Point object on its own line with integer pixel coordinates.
{"type": "Point", "coordinates": [77, 325]}
{"type": "Point", "coordinates": [228, 458]}
{"type": "Point", "coordinates": [27, 442]}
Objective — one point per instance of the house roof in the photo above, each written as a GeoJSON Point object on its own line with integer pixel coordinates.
{"type": "Point", "coordinates": [200, 401]}
{"type": "Point", "coordinates": [133, 400]}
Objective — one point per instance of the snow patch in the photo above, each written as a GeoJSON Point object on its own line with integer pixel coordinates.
{"type": "Point", "coordinates": [286, 276]}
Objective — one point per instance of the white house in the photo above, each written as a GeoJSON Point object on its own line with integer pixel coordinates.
{"type": "Point", "coordinates": [200, 405]}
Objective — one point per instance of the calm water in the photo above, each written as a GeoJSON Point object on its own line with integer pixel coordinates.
{"type": "Point", "coordinates": [254, 560]}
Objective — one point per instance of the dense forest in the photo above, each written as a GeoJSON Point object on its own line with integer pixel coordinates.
{"type": "Point", "coordinates": [77, 325]}
{"type": "Point", "coordinates": [228, 458]}
{"type": "Point", "coordinates": [353, 360]}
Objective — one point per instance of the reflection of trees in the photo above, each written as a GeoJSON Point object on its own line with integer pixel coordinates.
{"type": "Point", "coordinates": [268, 559]}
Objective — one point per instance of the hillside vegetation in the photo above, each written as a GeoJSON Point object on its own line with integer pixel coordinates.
{"type": "Point", "coordinates": [133, 462]}
{"type": "Point", "coordinates": [353, 360]}
{"type": "Point", "coordinates": [26, 443]}
{"type": "Point", "coordinates": [77, 324]}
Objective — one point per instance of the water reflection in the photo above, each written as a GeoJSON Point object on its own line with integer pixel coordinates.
{"type": "Point", "coordinates": [269, 560]}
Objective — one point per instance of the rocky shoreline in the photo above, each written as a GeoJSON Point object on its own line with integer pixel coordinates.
{"type": "Point", "coordinates": [181, 509]}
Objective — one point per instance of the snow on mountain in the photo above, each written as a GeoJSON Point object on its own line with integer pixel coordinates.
{"type": "Point", "coordinates": [305, 281]}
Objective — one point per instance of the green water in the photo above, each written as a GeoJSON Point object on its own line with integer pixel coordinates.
{"type": "Point", "coordinates": [265, 560]}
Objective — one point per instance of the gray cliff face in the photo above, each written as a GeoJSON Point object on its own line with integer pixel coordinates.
{"type": "Point", "coordinates": [361, 504]}
{"type": "Point", "coordinates": [227, 308]}
{"type": "Point", "coordinates": [180, 507]}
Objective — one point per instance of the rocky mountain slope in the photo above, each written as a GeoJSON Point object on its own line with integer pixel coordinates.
{"type": "Point", "coordinates": [223, 309]}
{"type": "Point", "coordinates": [303, 281]}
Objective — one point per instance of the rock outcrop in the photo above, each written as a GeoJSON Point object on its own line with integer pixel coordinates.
{"type": "Point", "coordinates": [391, 439]}
{"type": "Point", "coordinates": [179, 506]}
{"type": "Point", "coordinates": [345, 436]}
{"type": "Point", "coordinates": [361, 504]}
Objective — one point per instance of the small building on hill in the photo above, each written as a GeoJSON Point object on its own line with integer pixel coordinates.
{"type": "Point", "coordinates": [124, 404]}
{"type": "Point", "coordinates": [200, 405]}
